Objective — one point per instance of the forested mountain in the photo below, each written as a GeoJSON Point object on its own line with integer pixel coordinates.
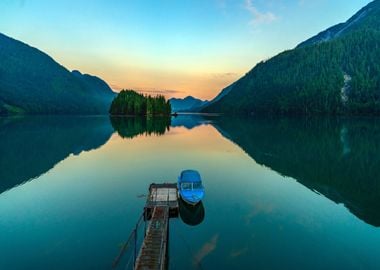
{"type": "Point", "coordinates": [32, 82]}
{"type": "Point", "coordinates": [187, 104]}
{"type": "Point", "coordinates": [129, 102]}
{"type": "Point", "coordinates": [366, 17]}
{"type": "Point", "coordinates": [336, 71]}
{"type": "Point", "coordinates": [222, 93]}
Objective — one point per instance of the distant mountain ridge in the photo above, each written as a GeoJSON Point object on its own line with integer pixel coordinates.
{"type": "Point", "coordinates": [222, 93]}
{"type": "Point", "coordinates": [187, 104]}
{"type": "Point", "coordinates": [31, 82]}
{"type": "Point", "coordinates": [338, 30]}
{"type": "Point", "coordinates": [334, 72]}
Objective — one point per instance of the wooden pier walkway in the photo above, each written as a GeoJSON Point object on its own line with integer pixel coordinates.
{"type": "Point", "coordinates": [162, 203]}
{"type": "Point", "coordinates": [154, 248]}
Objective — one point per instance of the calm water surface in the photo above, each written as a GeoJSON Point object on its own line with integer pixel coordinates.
{"type": "Point", "coordinates": [280, 193]}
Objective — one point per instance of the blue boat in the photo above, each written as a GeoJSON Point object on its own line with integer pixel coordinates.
{"type": "Point", "coordinates": [190, 187]}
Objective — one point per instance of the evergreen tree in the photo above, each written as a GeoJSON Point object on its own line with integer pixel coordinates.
{"type": "Point", "coordinates": [128, 102]}
{"type": "Point", "coordinates": [310, 79]}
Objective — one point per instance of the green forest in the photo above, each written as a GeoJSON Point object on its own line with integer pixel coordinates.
{"type": "Point", "coordinates": [310, 80]}
{"type": "Point", "coordinates": [31, 82]}
{"type": "Point", "coordinates": [334, 72]}
{"type": "Point", "coordinates": [129, 102]}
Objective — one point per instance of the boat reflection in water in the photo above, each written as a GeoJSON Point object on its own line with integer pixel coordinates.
{"type": "Point", "coordinates": [192, 215]}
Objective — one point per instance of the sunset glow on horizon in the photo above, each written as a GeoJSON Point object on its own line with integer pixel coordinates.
{"type": "Point", "coordinates": [174, 48]}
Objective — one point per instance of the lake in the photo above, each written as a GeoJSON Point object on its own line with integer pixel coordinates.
{"type": "Point", "coordinates": [281, 193]}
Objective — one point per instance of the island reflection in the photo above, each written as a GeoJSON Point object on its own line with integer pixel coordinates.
{"type": "Point", "coordinates": [129, 127]}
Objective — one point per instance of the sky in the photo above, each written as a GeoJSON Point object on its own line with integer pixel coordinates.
{"type": "Point", "coordinates": [175, 48]}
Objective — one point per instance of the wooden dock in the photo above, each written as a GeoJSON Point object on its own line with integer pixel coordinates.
{"type": "Point", "coordinates": [162, 203]}
{"type": "Point", "coordinates": [162, 195]}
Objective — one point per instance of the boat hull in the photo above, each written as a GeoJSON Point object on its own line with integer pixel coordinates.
{"type": "Point", "coordinates": [189, 202]}
{"type": "Point", "coordinates": [192, 198]}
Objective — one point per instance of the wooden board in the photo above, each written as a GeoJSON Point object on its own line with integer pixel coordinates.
{"type": "Point", "coordinates": [163, 195]}
{"type": "Point", "coordinates": [153, 253]}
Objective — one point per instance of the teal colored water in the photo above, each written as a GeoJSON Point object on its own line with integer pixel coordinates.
{"type": "Point", "coordinates": [290, 193]}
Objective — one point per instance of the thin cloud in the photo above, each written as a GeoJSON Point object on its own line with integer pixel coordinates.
{"type": "Point", "coordinates": [115, 87]}
{"type": "Point", "coordinates": [257, 16]}
{"type": "Point", "coordinates": [225, 75]}
{"type": "Point", "coordinates": [149, 91]}
{"type": "Point", "coordinates": [158, 92]}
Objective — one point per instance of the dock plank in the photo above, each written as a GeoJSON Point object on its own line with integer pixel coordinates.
{"type": "Point", "coordinates": [153, 251]}
{"type": "Point", "coordinates": [162, 200]}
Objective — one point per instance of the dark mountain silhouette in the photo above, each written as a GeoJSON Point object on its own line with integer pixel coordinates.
{"type": "Point", "coordinates": [187, 104]}
{"type": "Point", "coordinates": [366, 17]}
{"type": "Point", "coordinates": [31, 82]}
{"type": "Point", "coordinates": [335, 72]}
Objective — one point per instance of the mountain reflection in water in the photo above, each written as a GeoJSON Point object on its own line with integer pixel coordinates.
{"type": "Point", "coordinates": [338, 158]}
{"type": "Point", "coordinates": [31, 146]}
{"type": "Point", "coordinates": [335, 157]}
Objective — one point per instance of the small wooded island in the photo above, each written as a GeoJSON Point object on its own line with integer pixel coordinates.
{"type": "Point", "coordinates": [129, 102]}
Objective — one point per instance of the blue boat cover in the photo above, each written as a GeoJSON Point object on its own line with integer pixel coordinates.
{"type": "Point", "coordinates": [190, 176]}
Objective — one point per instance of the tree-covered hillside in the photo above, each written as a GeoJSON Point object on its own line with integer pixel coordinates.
{"type": "Point", "coordinates": [32, 82]}
{"type": "Point", "coordinates": [128, 102]}
{"type": "Point", "coordinates": [338, 75]}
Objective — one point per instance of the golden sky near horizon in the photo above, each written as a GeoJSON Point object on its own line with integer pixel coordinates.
{"type": "Point", "coordinates": [175, 48]}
